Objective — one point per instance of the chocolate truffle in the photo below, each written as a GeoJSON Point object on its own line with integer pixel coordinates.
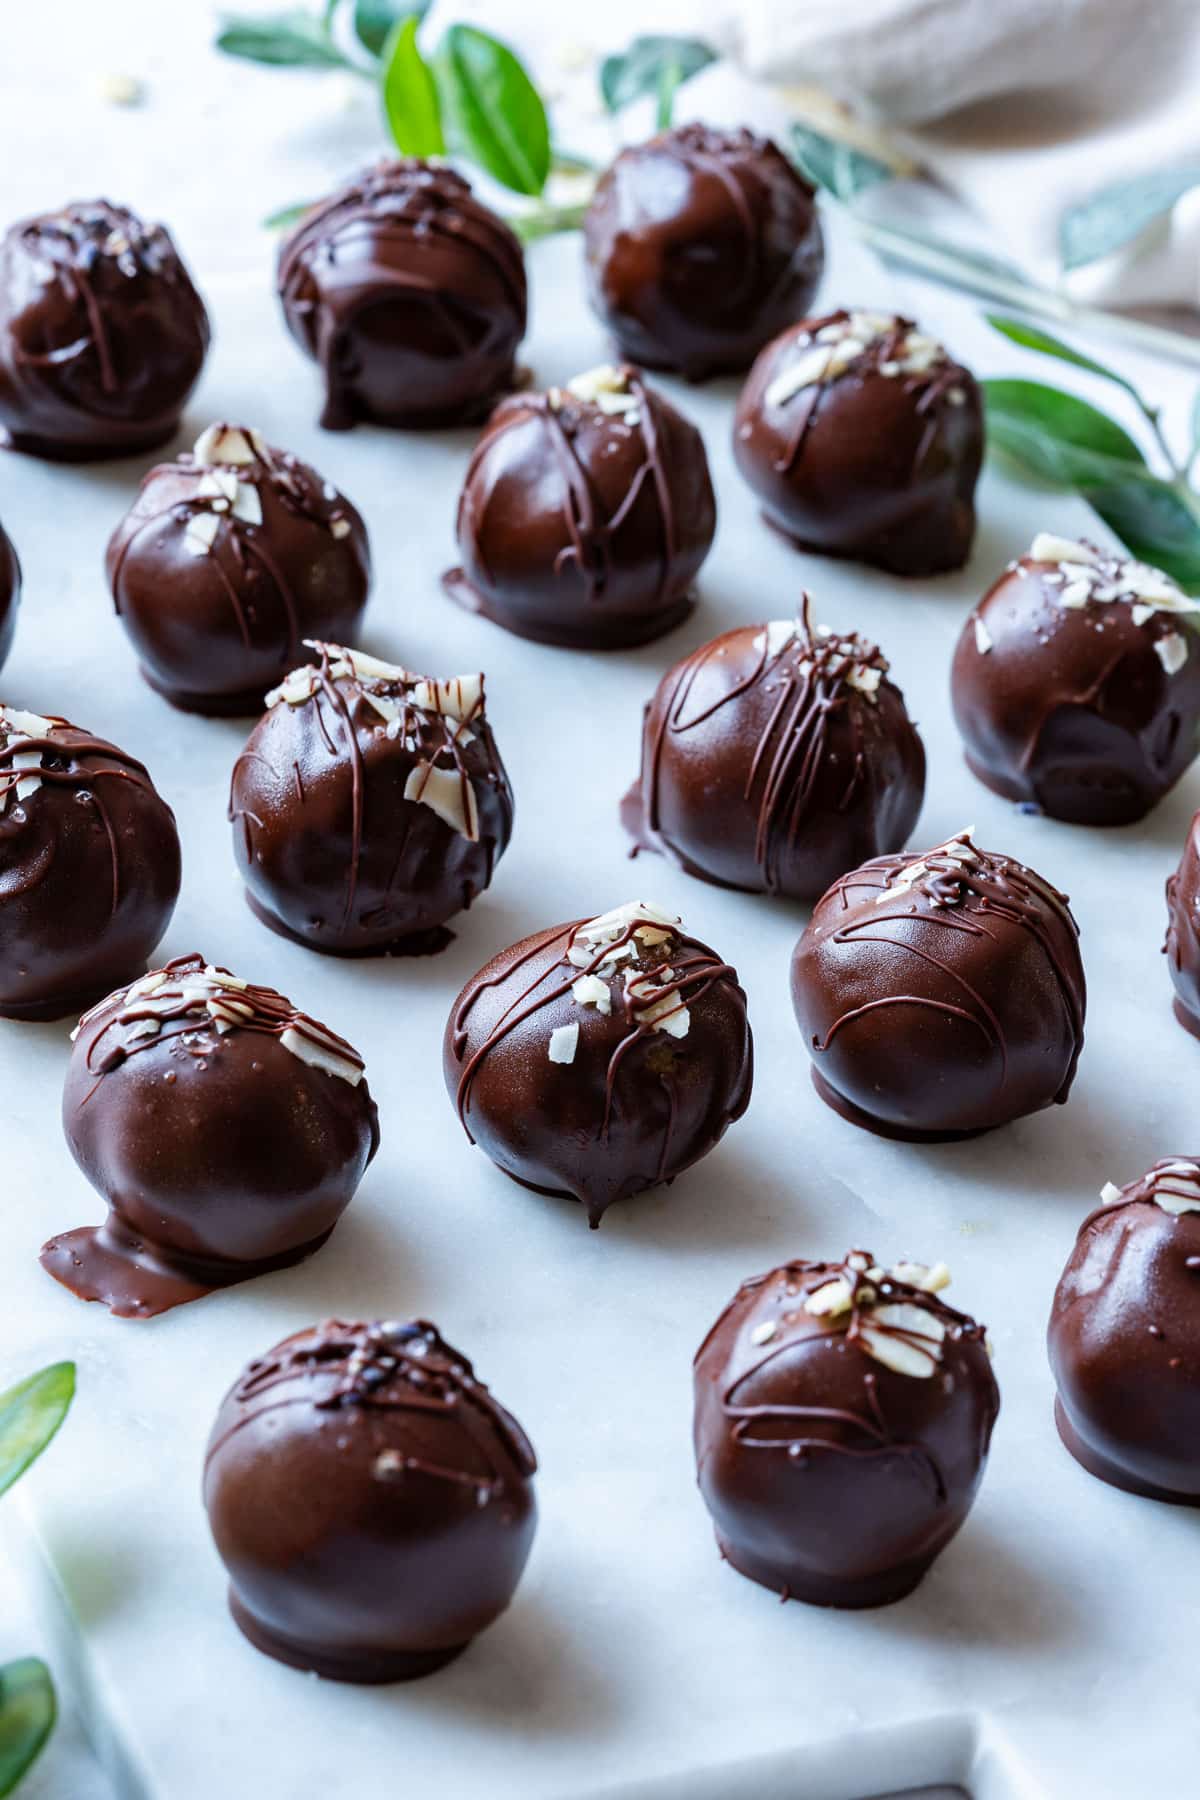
{"type": "Point", "coordinates": [941, 994]}
{"type": "Point", "coordinates": [371, 1501]}
{"type": "Point", "coordinates": [600, 1058]}
{"type": "Point", "coordinates": [230, 558]}
{"type": "Point", "coordinates": [10, 594]}
{"type": "Point", "coordinates": [102, 335]}
{"type": "Point", "coordinates": [1183, 931]}
{"type": "Point", "coordinates": [89, 867]}
{"type": "Point", "coordinates": [1124, 1337]}
{"type": "Point", "coordinates": [843, 1416]}
{"type": "Point", "coordinates": [586, 514]}
{"type": "Point", "coordinates": [1076, 684]}
{"type": "Point", "coordinates": [369, 806]}
{"type": "Point", "coordinates": [863, 438]}
{"type": "Point", "coordinates": [226, 1132]}
{"type": "Point", "coordinates": [410, 295]}
{"type": "Point", "coordinates": [775, 758]}
{"type": "Point", "coordinates": [701, 245]}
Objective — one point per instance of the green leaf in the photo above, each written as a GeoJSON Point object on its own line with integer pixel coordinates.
{"type": "Point", "coordinates": [547, 221]}
{"type": "Point", "coordinates": [27, 1713]}
{"type": "Point", "coordinates": [30, 1414]}
{"type": "Point", "coordinates": [1155, 523]}
{"type": "Point", "coordinates": [1033, 338]}
{"type": "Point", "coordinates": [496, 113]}
{"type": "Point", "coordinates": [1115, 216]}
{"type": "Point", "coordinates": [836, 167]}
{"type": "Point", "coordinates": [286, 216]}
{"type": "Point", "coordinates": [291, 40]}
{"type": "Point", "coordinates": [652, 65]}
{"type": "Point", "coordinates": [410, 97]}
{"type": "Point", "coordinates": [1195, 451]}
{"type": "Point", "coordinates": [375, 20]}
{"type": "Point", "coordinates": [1063, 418]}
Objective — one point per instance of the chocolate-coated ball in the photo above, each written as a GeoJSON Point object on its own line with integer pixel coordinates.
{"type": "Point", "coordinates": [372, 1502]}
{"type": "Point", "coordinates": [1076, 684]}
{"type": "Point", "coordinates": [1182, 946]}
{"type": "Point", "coordinates": [600, 1058]}
{"type": "Point", "coordinates": [409, 294]}
{"type": "Point", "coordinates": [230, 558]}
{"type": "Point", "coordinates": [102, 335]}
{"type": "Point", "coordinates": [941, 994]}
{"type": "Point", "coordinates": [369, 806]}
{"type": "Point", "coordinates": [1124, 1337]}
{"type": "Point", "coordinates": [701, 244]}
{"type": "Point", "coordinates": [10, 594]}
{"type": "Point", "coordinates": [863, 438]}
{"type": "Point", "coordinates": [89, 867]}
{"type": "Point", "coordinates": [225, 1130]}
{"type": "Point", "coordinates": [585, 515]}
{"type": "Point", "coordinates": [775, 758]}
{"type": "Point", "coordinates": [843, 1416]}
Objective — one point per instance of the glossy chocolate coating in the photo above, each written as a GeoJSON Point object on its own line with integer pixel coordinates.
{"type": "Point", "coordinates": [833, 1475]}
{"type": "Point", "coordinates": [369, 806]}
{"type": "Point", "coordinates": [102, 335]}
{"type": "Point", "coordinates": [410, 295]}
{"type": "Point", "coordinates": [584, 522]}
{"type": "Point", "coordinates": [650, 1085]}
{"type": "Point", "coordinates": [10, 594]}
{"type": "Point", "coordinates": [876, 460]}
{"type": "Point", "coordinates": [226, 1132]}
{"type": "Point", "coordinates": [701, 244]}
{"type": "Point", "coordinates": [775, 758]}
{"type": "Point", "coordinates": [370, 1499]}
{"type": "Point", "coordinates": [229, 559]}
{"type": "Point", "coordinates": [941, 994]}
{"type": "Point", "coordinates": [89, 867]}
{"type": "Point", "coordinates": [1124, 1337]}
{"type": "Point", "coordinates": [1183, 931]}
{"type": "Point", "coordinates": [1065, 687]}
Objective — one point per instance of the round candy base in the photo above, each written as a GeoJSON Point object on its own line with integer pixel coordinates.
{"type": "Point", "coordinates": [1103, 1470]}
{"type": "Point", "coordinates": [343, 410]}
{"type": "Point", "coordinates": [881, 1588]}
{"type": "Point", "coordinates": [67, 1006]}
{"type": "Point", "coordinates": [633, 822]}
{"type": "Point", "coordinates": [373, 1668]}
{"type": "Point", "coordinates": [590, 634]}
{"type": "Point", "coordinates": [138, 1280]}
{"type": "Point", "coordinates": [1188, 1020]}
{"type": "Point", "coordinates": [903, 1134]}
{"type": "Point", "coordinates": [1096, 805]}
{"type": "Point", "coordinates": [417, 943]}
{"type": "Point", "coordinates": [246, 705]}
{"type": "Point", "coordinates": [894, 558]}
{"type": "Point", "coordinates": [28, 443]}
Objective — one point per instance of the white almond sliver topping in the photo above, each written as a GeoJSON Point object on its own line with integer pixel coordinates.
{"type": "Point", "coordinates": [1050, 549]}
{"type": "Point", "coordinates": [589, 939]}
{"type": "Point", "coordinates": [199, 533]}
{"type": "Point", "coordinates": [776, 633]}
{"type": "Point", "coordinates": [339, 528]}
{"type": "Point", "coordinates": [983, 637]}
{"type": "Point", "coordinates": [805, 372]}
{"type": "Point", "coordinates": [904, 1337]}
{"type": "Point", "coordinates": [564, 1041]}
{"type": "Point", "coordinates": [447, 793]}
{"type": "Point", "coordinates": [459, 697]}
{"type": "Point", "coordinates": [247, 504]}
{"type": "Point", "coordinates": [320, 1055]}
{"type": "Point", "coordinates": [1171, 651]}
{"type": "Point", "coordinates": [589, 990]}
{"type": "Point", "coordinates": [827, 1301]}
{"type": "Point", "coordinates": [227, 444]}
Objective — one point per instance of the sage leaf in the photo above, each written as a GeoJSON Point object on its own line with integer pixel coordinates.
{"type": "Point", "coordinates": [1062, 418]}
{"type": "Point", "coordinates": [1115, 216]}
{"type": "Point", "coordinates": [1032, 337]}
{"type": "Point", "coordinates": [495, 112]}
{"type": "Point", "coordinates": [290, 40]}
{"type": "Point", "coordinates": [836, 167]}
{"type": "Point", "coordinates": [375, 20]}
{"type": "Point", "coordinates": [1155, 523]}
{"type": "Point", "coordinates": [30, 1414]}
{"type": "Point", "coordinates": [410, 96]}
{"type": "Point", "coordinates": [27, 1713]}
{"type": "Point", "coordinates": [285, 216]}
{"type": "Point", "coordinates": [654, 65]}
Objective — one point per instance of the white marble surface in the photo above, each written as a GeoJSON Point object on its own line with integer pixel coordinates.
{"type": "Point", "coordinates": [631, 1656]}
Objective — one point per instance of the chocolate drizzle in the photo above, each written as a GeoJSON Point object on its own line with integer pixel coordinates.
{"type": "Point", "coordinates": [410, 295]}
{"type": "Point", "coordinates": [371, 1500]}
{"type": "Point", "coordinates": [102, 335]}
{"type": "Point", "coordinates": [660, 1066]}
{"type": "Point", "coordinates": [701, 244]}
{"type": "Point", "coordinates": [843, 1414]}
{"type": "Point", "coordinates": [369, 805]}
{"type": "Point", "coordinates": [585, 514]}
{"type": "Point", "coordinates": [804, 740]}
{"type": "Point", "coordinates": [959, 923]}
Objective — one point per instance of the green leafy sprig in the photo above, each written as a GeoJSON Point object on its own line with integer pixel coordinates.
{"type": "Point", "coordinates": [1060, 440]}
{"type": "Point", "coordinates": [653, 66]}
{"type": "Point", "coordinates": [30, 1414]}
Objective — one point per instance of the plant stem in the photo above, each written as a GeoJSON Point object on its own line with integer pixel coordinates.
{"type": "Point", "coordinates": [546, 221]}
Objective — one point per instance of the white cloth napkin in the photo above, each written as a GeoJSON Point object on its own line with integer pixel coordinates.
{"type": "Point", "coordinates": [1022, 108]}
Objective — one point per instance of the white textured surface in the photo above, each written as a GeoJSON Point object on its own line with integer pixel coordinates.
{"type": "Point", "coordinates": [630, 1653]}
